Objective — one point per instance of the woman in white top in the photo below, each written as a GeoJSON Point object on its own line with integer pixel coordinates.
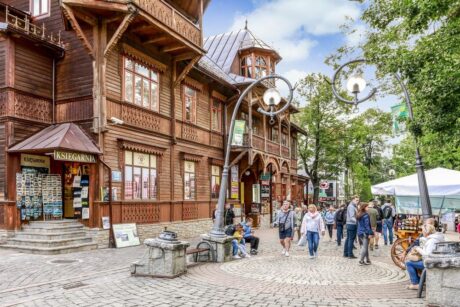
{"type": "Point", "coordinates": [312, 225]}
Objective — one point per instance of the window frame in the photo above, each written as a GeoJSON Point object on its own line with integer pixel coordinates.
{"type": "Point", "coordinates": [215, 195]}
{"type": "Point", "coordinates": [143, 78]}
{"type": "Point", "coordinates": [193, 192]}
{"type": "Point", "coordinates": [41, 14]}
{"type": "Point", "coordinates": [194, 104]}
{"type": "Point", "coordinates": [152, 186]}
{"type": "Point", "coordinates": [219, 114]}
{"type": "Point", "coordinates": [265, 67]}
{"type": "Point", "coordinates": [271, 134]}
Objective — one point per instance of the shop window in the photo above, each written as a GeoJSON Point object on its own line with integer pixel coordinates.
{"type": "Point", "coordinates": [189, 180]}
{"type": "Point", "coordinates": [246, 66]}
{"type": "Point", "coordinates": [140, 176]}
{"type": "Point", "coordinates": [39, 8]}
{"type": "Point", "coordinates": [215, 181]}
{"type": "Point", "coordinates": [141, 85]}
{"type": "Point", "coordinates": [216, 115]}
{"type": "Point", "coordinates": [190, 97]}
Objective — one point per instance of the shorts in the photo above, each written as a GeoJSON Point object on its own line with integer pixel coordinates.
{"type": "Point", "coordinates": [379, 227]}
{"type": "Point", "coordinates": [287, 233]}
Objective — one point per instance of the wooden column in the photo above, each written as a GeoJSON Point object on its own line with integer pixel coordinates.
{"type": "Point", "coordinates": [250, 119]}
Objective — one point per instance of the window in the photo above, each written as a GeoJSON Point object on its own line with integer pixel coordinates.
{"type": "Point", "coordinates": [215, 181]}
{"type": "Point", "coordinates": [261, 67]}
{"type": "Point", "coordinates": [293, 148]}
{"type": "Point", "coordinates": [257, 126]}
{"type": "Point", "coordinates": [189, 180]}
{"type": "Point", "coordinates": [246, 66]}
{"type": "Point", "coordinates": [189, 104]}
{"type": "Point", "coordinates": [216, 115]}
{"type": "Point", "coordinates": [140, 176]}
{"type": "Point", "coordinates": [273, 133]}
{"type": "Point", "coordinates": [39, 7]}
{"type": "Point", "coordinates": [284, 137]}
{"type": "Point", "coordinates": [141, 85]}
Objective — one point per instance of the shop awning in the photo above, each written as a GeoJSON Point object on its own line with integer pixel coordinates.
{"type": "Point", "coordinates": [65, 137]}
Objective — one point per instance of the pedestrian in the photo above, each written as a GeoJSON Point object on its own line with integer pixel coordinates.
{"type": "Point", "coordinates": [373, 215]}
{"type": "Point", "coordinates": [298, 221]}
{"type": "Point", "coordinates": [249, 236]}
{"type": "Point", "coordinates": [238, 243]}
{"type": "Point", "coordinates": [352, 227]}
{"type": "Point", "coordinates": [340, 221]}
{"type": "Point", "coordinates": [229, 215]}
{"type": "Point", "coordinates": [365, 233]}
{"type": "Point", "coordinates": [389, 214]}
{"type": "Point", "coordinates": [312, 226]}
{"type": "Point", "coordinates": [214, 214]}
{"type": "Point", "coordinates": [430, 238]}
{"type": "Point", "coordinates": [378, 230]}
{"type": "Point", "coordinates": [329, 218]}
{"type": "Point", "coordinates": [285, 223]}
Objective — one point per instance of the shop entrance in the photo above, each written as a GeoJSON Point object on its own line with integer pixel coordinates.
{"type": "Point", "coordinates": [76, 183]}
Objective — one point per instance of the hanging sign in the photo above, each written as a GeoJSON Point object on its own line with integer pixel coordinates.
{"type": "Point", "coordinates": [234, 182]}
{"type": "Point", "coordinates": [35, 161]}
{"type": "Point", "coordinates": [238, 132]}
{"type": "Point", "coordinates": [324, 185]}
{"type": "Point", "coordinates": [256, 193]}
{"type": "Point", "coordinates": [74, 156]}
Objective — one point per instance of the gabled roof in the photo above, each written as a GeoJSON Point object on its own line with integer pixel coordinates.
{"type": "Point", "coordinates": [223, 48]}
{"type": "Point", "coordinates": [67, 137]}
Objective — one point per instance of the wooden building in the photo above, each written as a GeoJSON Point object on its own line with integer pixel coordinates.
{"type": "Point", "coordinates": [128, 94]}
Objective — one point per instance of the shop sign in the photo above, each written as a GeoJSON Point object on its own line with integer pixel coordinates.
{"type": "Point", "coordinates": [256, 193]}
{"type": "Point", "coordinates": [35, 161]}
{"type": "Point", "coordinates": [125, 235]}
{"type": "Point", "coordinates": [234, 182]}
{"type": "Point", "coordinates": [265, 177]}
{"type": "Point", "coordinates": [74, 156]}
{"type": "Point", "coordinates": [327, 199]}
{"type": "Point", "coordinates": [238, 132]}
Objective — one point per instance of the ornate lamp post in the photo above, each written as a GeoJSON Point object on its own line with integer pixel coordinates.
{"type": "Point", "coordinates": [355, 85]}
{"type": "Point", "coordinates": [272, 98]}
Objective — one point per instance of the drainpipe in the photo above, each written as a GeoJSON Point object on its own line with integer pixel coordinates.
{"type": "Point", "coordinates": [111, 239]}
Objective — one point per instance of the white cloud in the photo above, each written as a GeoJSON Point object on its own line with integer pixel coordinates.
{"type": "Point", "coordinates": [294, 76]}
{"type": "Point", "coordinates": [357, 36]}
{"type": "Point", "coordinates": [285, 24]}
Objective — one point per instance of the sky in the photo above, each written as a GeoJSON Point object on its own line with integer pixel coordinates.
{"type": "Point", "coordinates": [304, 32]}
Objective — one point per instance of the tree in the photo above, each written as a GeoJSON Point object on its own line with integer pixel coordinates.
{"type": "Point", "coordinates": [322, 118]}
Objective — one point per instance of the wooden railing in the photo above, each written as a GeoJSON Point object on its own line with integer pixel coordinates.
{"type": "Point", "coordinates": [25, 25]}
{"type": "Point", "coordinates": [172, 18]}
{"type": "Point", "coordinates": [285, 152]}
{"type": "Point", "coordinates": [258, 142]}
{"type": "Point", "coordinates": [273, 148]}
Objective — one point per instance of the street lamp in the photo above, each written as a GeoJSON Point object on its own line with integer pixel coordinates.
{"type": "Point", "coordinates": [355, 85]}
{"type": "Point", "coordinates": [271, 98]}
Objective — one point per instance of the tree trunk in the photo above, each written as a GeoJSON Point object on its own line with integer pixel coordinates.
{"type": "Point", "coordinates": [315, 191]}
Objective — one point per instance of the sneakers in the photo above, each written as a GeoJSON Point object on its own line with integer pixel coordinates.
{"type": "Point", "coordinates": [283, 252]}
{"type": "Point", "coordinates": [236, 257]}
{"type": "Point", "coordinates": [368, 262]}
{"type": "Point", "coordinates": [311, 257]}
{"type": "Point", "coordinates": [253, 252]}
{"type": "Point", "coordinates": [247, 256]}
{"type": "Point", "coordinates": [286, 254]}
{"type": "Point", "coordinates": [413, 287]}
{"type": "Point", "coordinates": [352, 257]}
{"type": "Point", "coordinates": [361, 263]}
{"type": "Point", "coordinates": [315, 254]}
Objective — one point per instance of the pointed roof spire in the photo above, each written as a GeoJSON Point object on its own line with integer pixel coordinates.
{"type": "Point", "coordinates": [246, 24]}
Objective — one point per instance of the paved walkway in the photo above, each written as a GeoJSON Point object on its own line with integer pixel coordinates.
{"type": "Point", "coordinates": [102, 278]}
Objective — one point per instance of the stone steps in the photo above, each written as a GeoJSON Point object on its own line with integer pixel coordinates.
{"type": "Point", "coordinates": [51, 237]}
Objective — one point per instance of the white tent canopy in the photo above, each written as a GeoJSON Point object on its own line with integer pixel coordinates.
{"type": "Point", "coordinates": [440, 181]}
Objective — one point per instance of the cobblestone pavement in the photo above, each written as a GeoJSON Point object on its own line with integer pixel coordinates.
{"type": "Point", "coordinates": [102, 278]}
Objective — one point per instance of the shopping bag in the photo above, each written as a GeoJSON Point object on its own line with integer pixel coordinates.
{"type": "Point", "coordinates": [302, 241]}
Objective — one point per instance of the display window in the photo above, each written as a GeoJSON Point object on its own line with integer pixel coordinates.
{"type": "Point", "coordinates": [140, 176]}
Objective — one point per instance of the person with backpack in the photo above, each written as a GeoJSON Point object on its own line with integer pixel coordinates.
{"type": "Point", "coordinates": [312, 226]}
{"type": "Point", "coordinates": [229, 215]}
{"type": "Point", "coordinates": [378, 230]}
{"type": "Point", "coordinates": [389, 213]}
{"type": "Point", "coordinates": [340, 221]}
{"type": "Point", "coordinates": [285, 223]}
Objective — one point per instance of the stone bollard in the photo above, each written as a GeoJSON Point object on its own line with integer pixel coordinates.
{"type": "Point", "coordinates": [165, 257]}
{"type": "Point", "coordinates": [443, 275]}
{"type": "Point", "coordinates": [222, 247]}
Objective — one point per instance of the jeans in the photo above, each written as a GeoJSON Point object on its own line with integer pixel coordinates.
{"type": "Point", "coordinates": [388, 225]}
{"type": "Point", "coordinates": [254, 242]}
{"type": "Point", "coordinates": [339, 234]}
{"type": "Point", "coordinates": [313, 242]}
{"type": "Point", "coordinates": [352, 229]}
{"type": "Point", "coordinates": [329, 229]}
{"type": "Point", "coordinates": [412, 267]}
{"type": "Point", "coordinates": [235, 247]}
{"type": "Point", "coordinates": [364, 255]}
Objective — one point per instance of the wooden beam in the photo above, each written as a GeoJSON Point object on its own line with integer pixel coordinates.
{"type": "Point", "coordinates": [102, 5]}
{"type": "Point", "coordinates": [86, 17]}
{"type": "Point", "coordinates": [185, 56]}
{"type": "Point", "coordinates": [76, 27]}
{"type": "Point", "coordinates": [156, 39]}
{"type": "Point", "coordinates": [172, 48]}
{"type": "Point", "coordinates": [142, 27]}
{"type": "Point", "coordinates": [119, 32]}
{"type": "Point", "coordinates": [185, 70]}
{"type": "Point", "coordinates": [239, 157]}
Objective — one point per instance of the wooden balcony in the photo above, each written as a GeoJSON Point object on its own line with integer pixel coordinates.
{"type": "Point", "coordinates": [258, 142]}
{"type": "Point", "coordinates": [273, 148]}
{"type": "Point", "coordinates": [285, 152]}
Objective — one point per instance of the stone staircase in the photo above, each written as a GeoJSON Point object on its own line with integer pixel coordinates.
{"type": "Point", "coordinates": [50, 238]}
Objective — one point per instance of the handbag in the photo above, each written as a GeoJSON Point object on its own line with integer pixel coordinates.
{"type": "Point", "coordinates": [413, 255]}
{"type": "Point", "coordinates": [302, 241]}
{"type": "Point", "coordinates": [282, 226]}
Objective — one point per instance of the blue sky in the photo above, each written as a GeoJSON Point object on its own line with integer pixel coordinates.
{"type": "Point", "coordinates": [304, 32]}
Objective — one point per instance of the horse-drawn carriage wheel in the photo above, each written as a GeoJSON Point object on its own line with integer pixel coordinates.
{"type": "Point", "coordinates": [398, 252]}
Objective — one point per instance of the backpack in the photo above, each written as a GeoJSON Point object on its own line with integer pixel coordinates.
{"type": "Point", "coordinates": [387, 211]}
{"type": "Point", "coordinates": [230, 230]}
{"type": "Point", "coordinates": [339, 216]}
{"type": "Point", "coordinates": [380, 214]}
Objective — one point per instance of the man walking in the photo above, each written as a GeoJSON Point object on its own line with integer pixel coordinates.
{"type": "Point", "coordinates": [373, 215]}
{"type": "Point", "coordinates": [340, 221]}
{"type": "Point", "coordinates": [352, 227]}
{"type": "Point", "coordinates": [389, 213]}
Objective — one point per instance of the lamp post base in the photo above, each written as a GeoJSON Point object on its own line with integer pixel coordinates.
{"type": "Point", "coordinates": [222, 246]}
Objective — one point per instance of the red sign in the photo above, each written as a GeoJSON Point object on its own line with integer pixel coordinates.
{"type": "Point", "coordinates": [327, 199]}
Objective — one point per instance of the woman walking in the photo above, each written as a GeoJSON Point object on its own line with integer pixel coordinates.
{"type": "Point", "coordinates": [285, 223]}
{"type": "Point", "coordinates": [312, 225]}
{"type": "Point", "coordinates": [365, 233]}
{"type": "Point", "coordinates": [329, 217]}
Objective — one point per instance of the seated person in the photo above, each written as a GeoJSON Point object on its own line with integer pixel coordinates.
{"type": "Point", "coordinates": [249, 236]}
{"type": "Point", "coordinates": [238, 243]}
{"type": "Point", "coordinates": [428, 241]}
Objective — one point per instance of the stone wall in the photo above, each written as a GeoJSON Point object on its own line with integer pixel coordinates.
{"type": "Point", "coordinates": [184, 229]}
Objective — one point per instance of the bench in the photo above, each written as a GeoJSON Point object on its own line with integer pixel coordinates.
{"type": "Point", "coordinates": [199, 250]}
{"type": "Point", "coordinates": [421, 283]}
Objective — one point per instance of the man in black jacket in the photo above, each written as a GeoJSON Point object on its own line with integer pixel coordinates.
{"type": "Point", "coordinates": [229, 215]}
{"type": "Point", "coordinates": [340, 221]}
